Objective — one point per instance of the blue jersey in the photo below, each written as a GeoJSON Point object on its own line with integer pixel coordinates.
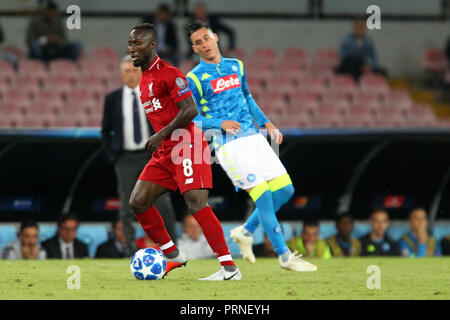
{"type": "Point", "coordinates": [221, 93]}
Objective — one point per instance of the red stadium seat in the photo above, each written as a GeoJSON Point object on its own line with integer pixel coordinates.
{"type": "Point", "coordinates": [316, 85]}
{"type": "Point", "coordinates": [261, 54]}
{"type": "Point", "coordinates": [29, 85]}
{"type": "Point", "coordinates": [423, 112]}
{"type": "Point", "coordinates": [434, 60]}
{"type": "Point", "coordinates": [399, 98]}
{"type": "Point", "coordinates": [361, 110]}
{"type": "Point", "coordinates": [239, 54]}
{"type": "Point", "coordinates": [7, 72]}
{"type": "Point", "coordinates": [14, 108]}
{"type": "Point", "coordinates": [295, 54]}
{"type": "Point", "coordinates": [328, 57]}
{"type": "Point", "coordinates": [64, 67]}
{"type": "Point", "coordinates": [302, 107]}
{"type": "Point", "coordinates": [105, 53]}
{"type": "Point", "coordinates": [359, 121]}
{"type": "Point", "coordinates": [17, 96]}
{"type": "Point", "coordinates": [367, 98]}
{"type": "Point", "coordinates": [343, 83]}
{"type": "Point", "coordinates": [374, 83]}
{"type": "Point", "coordinates": [60, 83]}
{"type": "Point", "coordinates": [301, 96]}
{"type": "Point", "coordinates": [39, 69]}
{"type": "Point", "coordinates": [330, 110]}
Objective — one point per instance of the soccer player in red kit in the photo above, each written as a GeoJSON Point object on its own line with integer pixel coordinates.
{"type": "Point", "coordinates": [175, 164]}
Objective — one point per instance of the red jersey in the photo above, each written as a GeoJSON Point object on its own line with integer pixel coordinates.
{"type": "Point", "coordinates": [162, 86]}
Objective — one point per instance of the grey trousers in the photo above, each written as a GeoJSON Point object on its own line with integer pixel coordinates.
{"type": "Point", "coordinates": [128, 168]}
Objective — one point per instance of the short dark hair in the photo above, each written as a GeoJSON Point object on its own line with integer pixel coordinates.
{"type": "Point", "coordinates": [66, 217]}
{"type": "Point", "coordinates": [311, 223]}
{"type": "Point", "coordinates": [194, 26]}
{"type": "Point", "coordinates": [376, 210]}
{"type": "Point", "coordinates": [415, 209]}
{"type": "Point", "coordinates": [342, 216]}
{"type": "Point", "coordinates": [28, 224]}
{"type": "Point", "coordinates": [164, 8]}
{"type": "Point", "coordinates": [148, 27]}
{"type": "Point", "coordinates": [115, 221]}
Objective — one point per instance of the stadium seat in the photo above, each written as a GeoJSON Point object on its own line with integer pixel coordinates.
{"type": "Point", "coordinates": [288, 231]}
{"type": "Point", "coordinates": [263, 54]}
{"type": "Point", "coordinates": [46, 231]}
{"type": "Point", "coordinates": [105, 53]}
{"type": "Point", "coordinates": [295, 54]}
{"type": "Point", "coordinates": [92, 235]}
{"type": "Point", "coordinates": [357, 121]}
{"type": "Point", "coordinates": [314, 85]}
{"type": "Point", "coordinates": [374, 83]}
{"type": "Point", "coordinates": [434, 60]}
{"type": "Point", "coordinates": [29, 85]}
{"type": "Point", "coordinates": [328, 57]}
{"type": "Point", "coordinates": [399, 99]}
{"type": "Point", "coordinates": [16, 95]}
{"type": "Point", "coordinates": [39, 69]}
{"type": "Point", "coordinates": [240, 54]}
{"type": "Point", "coordinates": [362, 110]}
{"type": "Point", "coordinates": [7, 72]}
{"type": "Point", "coordinates": [7, 235]}
{"type": "Point", "coordinates": [11, 108]}
{"type": "Point", "coordinates": [344, 84]}
{"type": "Point", "coordinates": [15, 51]}
{"type": "Point", "coordinates": [64, 67]}
{"type": "Point", "coordinates": [423, 112]}
{"type": "Point", "coordinates": [60, 84]}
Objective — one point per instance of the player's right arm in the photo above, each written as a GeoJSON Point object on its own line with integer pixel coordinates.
{"type": "Point", "coordinates": [228, 126]}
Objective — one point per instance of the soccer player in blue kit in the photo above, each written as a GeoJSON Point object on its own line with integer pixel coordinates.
{"type": "Point", "coordinates": [220, 90]}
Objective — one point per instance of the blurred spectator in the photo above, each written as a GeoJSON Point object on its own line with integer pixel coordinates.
{"type": "Point", "coordinates": [342, 244]}
{"type": "Point", "coordinates": [264, 249]}
{"type": "Point", "coordinates": [445, 245]}
{"type": "Point", "coordinates": [309, 244]}
{"type": "Point", "coordinates": [357, 52]}
{"type": "Point", "coordinates": [192, 242]}
{"type": "Point", "coordinates": [7, 55]}
{"type": "Point", "coordinates": [377, 242]}
{"type": "Point", "coordinates": [65, 245]}
{"type": "Point", "coordinates": [46, 36]}
{"type": "Point", "coordinates": [116, 246]}
{"type": "Point", "coordinates": [417, 242]}
{"type": "Point", "coordinates": [125, 130]}
{"type": "Point", "coordinates": [167, 46]}
{"type": "Point", "coordinates": [201, 13]}
{"type": "Point", "coordinates": [27, 244]}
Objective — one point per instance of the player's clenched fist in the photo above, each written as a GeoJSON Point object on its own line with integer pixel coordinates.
{"type": "Point", "coordinates": [231, 126]}
{"type": "Point", "coordinates": [154, 142]}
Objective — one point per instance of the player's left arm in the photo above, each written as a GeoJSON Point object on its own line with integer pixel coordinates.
{"type": "Point", "coordinates": [257, 113]}
{"type": "Point", "coordinates": [181, 94]}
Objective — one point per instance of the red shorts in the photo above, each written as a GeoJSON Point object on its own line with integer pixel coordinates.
{"type": "Point", "coordinates": [185, 166]}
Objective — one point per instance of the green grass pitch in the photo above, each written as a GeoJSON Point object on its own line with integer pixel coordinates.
{"type": "Point", "coordinates": [344, 278]}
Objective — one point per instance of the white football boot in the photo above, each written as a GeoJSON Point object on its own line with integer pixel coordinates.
{"type": "Point", "coordinates": [296, 263]}
{"type": "Point", "coordinates": [245, 243]}
{"type": "Point", "coordinates": [222, 275]}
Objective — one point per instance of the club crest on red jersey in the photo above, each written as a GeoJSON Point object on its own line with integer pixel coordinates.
{"type": "Point", "coordinates": [225, 83]}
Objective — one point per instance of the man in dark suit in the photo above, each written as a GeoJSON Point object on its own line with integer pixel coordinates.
{"type": "Point", "coordinates": [65, 245]}
{"type": "Point", "coordinates": [167, 46]}
{"type": "Point", "coordinates": [125, 130]}
{"type": "Point", "coordinates": [116, 246]}
{"type": "Point", "coordinates": [201, 13]}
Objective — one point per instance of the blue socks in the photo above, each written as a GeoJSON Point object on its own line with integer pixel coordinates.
{"type": "Point", "coordinates": [269, 198]}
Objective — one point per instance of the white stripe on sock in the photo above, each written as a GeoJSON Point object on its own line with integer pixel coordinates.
{"type": "Point", "coordinates": [225, 258]}
{"type": "Point", "coordinates": [167, 245]}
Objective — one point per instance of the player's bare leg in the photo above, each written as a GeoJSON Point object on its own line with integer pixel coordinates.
{"type": "Point", "coordinates": [197, 204]}
{"type": "Point", "coordinates": [142, 198]}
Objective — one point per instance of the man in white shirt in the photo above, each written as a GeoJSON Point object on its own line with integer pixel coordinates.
{"type": "Point", "coordinates": [192, 242]}
{"type": "Point", "coordinates": [125, 131]}
{"type": "Point", "coordinates": [27, 244]}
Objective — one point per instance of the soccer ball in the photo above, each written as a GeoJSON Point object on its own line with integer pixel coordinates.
{"type": "Point", "coordinates": [148, 264]}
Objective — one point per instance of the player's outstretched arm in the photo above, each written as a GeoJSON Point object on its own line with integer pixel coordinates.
{"type": "Point", "coordinates": [187, 113]}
